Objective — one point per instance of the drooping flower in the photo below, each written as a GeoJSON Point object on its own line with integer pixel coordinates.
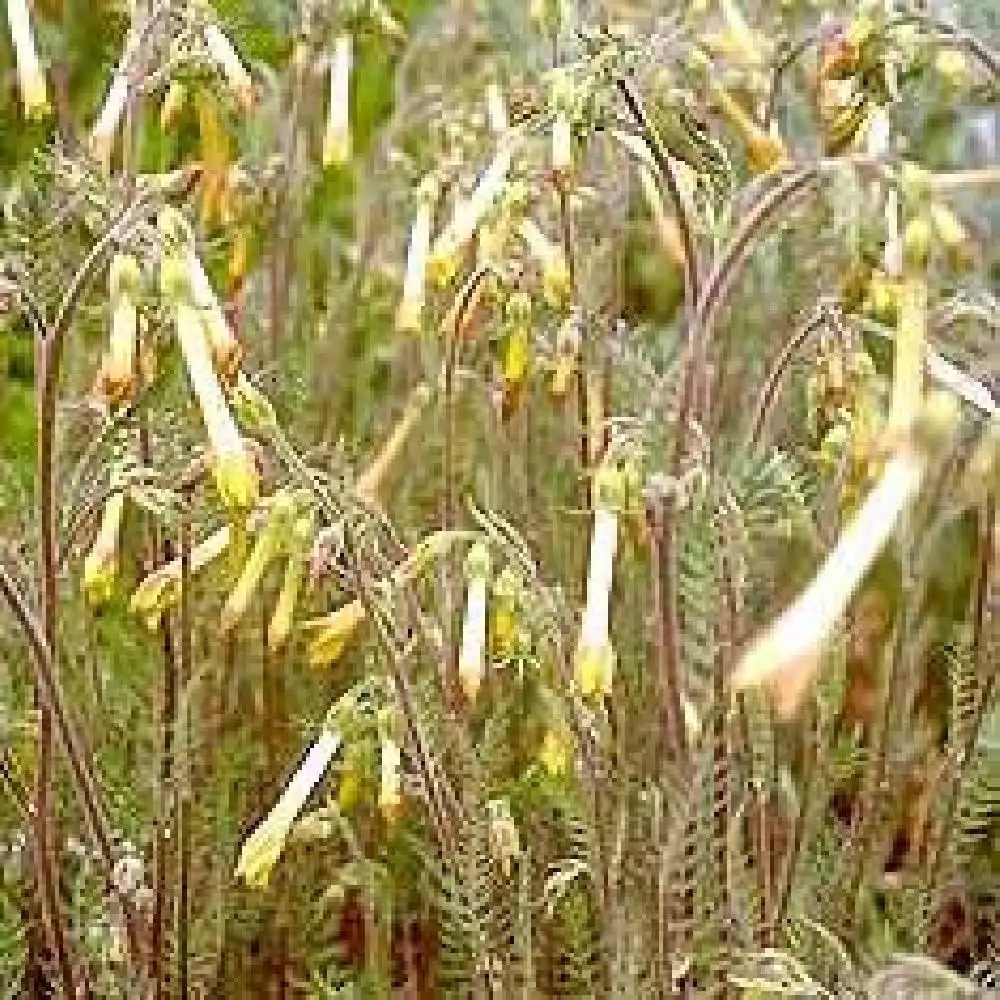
{"type": "Point", "coordinates": [566, 355]}
{"type": "Point", "coordinates": [442, 265]}
{"type": "Point", "coordinates": [264, 846]}
{"type": "Point", "coordinates": [516, 347]}
{"type": "Point", "coordinates": [232, 467]}
{"type": "Point", "coordinates": [267, 547]}
{"type": "Point", "coordinates": [337, 138]}
{"type": "Point", "coordinates": [116, 378]}
{"type": "Point", "coordinates": [472, 656]}
{"type": "Point", "coordinates": [787, 656]}
{"type": "Point", "coordinates": [594, 654]}
{"type": "Point", "coordinates": [161, 590]}
{"type": "Point", "coordinates": [555, 752]}
{"type": "Point", "coordinates": [562, 146]}
{"type": "Point", "coordinates": [409, 316]}
{"type": "Point", "coordinates": [551, 261]}
{"type": "Point", "coordinates": [100, 569]}
{"type": "Point", "coordinates": [227, 59]}
{"type": "Point", "coordinates": [281, 621]}
{"type": "Point", "coordinates": [34, 93]}
{"type": "Point", "coordinates": [765, 150]}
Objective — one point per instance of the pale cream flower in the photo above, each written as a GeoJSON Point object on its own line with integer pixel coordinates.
{"type": "Point", "coordinates": [226, 57]}
{"type": "Point", "coordinates": [908, 361]}
{"type": "Point", "coordinates": [116, 378]}
{"type": "Point", "coordinates": [31, 79]}
{"type": "Point", "coordinates": [562, 146]}
{"type": "Point", "coordinates": [264, 846]}
{"type": "Point", "coordinates": [337, 138]}
{"type": "Point", "coordinates": [787, 656]}
{"type": "Point", "coordinates": [226, 350]}
{"type": "Point", "coordinates": [594, 654]}
{"type": "Point", "coordinates": [409, 316]}
{"type": "Point", "coordinates": [472, 656]}
{"type": "Point", "coordinates": [233, 469]}
{"type": "Point", "coordinates": [442, 265]}
{"type": "Point", "coordinates": [100, 569]}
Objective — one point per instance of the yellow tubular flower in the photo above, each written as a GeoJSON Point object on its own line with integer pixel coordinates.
{"type": "Point", "coordinates": [442, 265]}
{"type": "Point", "coordinates": [370, 481]}
{"type": "Point", "coordinates": [227, 59]}
{"type": "Point", "coordinates": [233, 469]}
{"type": "Point", "coordinates": [102, 137]}
{"type": "Point", "coordinates": [34, 93]}
{"type": "Point", "coordinates": [409, 316]}
{"type": "Point", "coordinates": [337, 139]}
{"type": "Point", "coordinates": [787, 656]}
{"type": "Point", "coordinates": [555, 752]}
{"type": "Point", "coordinates": [264, 846]}
{"type": "Point", "coordinates": [281, 622]}
{"type": "Point", "coordinates": [173, 104]}
{"type": "Point", "coordinates": [517, 344]}
{"type": "Point", "coordinates": [765, 150]}
{"type": "Point", "coordinates": [161, 590]}
{"type": "Point", "coordinates": [594, 655]}
{"type": "Point", "coordinates": [952, 233]}
{"type": "Point", "coordinates": [335, 631]}
{"type": "Point", "coordinates": [551, 261]}
{"type": "Point", "coordinates": [390, 796]}
{"type": "Point", "coordinates": [267, 547]}
{"type": "Point", "coordinates": [100, 569]}
{"type": "Point", "coordinates": [472, 657]}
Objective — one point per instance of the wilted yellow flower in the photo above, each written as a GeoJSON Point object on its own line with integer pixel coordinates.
{"type": "Point", "coordinates": [551, 261]}
{"type": "Point", "coordinates": [765, 150]}
{"type": "Point", "coordinates": [34, 93]}
{"type": "Point", "coordinates": [787, 656]}
{"type": "Point", "coordinates": [517, 343]}
{"type": "Point", "coordinates": [264, 846]}
{"type": "Point", "coordinates": [161, 590]}
{"type": "Point", "coordinates": [267, 547]}
{"type": "Point", "coordinates": [472, 656]}
{"type": "Point", "coordinates": [390, 795]}
{"type": "Point", "coordinates": [409, 316]}
{"type": "Point", "coordinates": [227, 59]}
{"type": "Point", "coordinates": [337, 138]}
{"type": "Point", "coordinates": [281, 621]}
{"type": "Point", "coordinates": [100, 569]}
{"type": "Point", "coordinates": [594, 654]}
{"type": "Point", "coordinates": [504, 617]}
{"type": "Point", "coordinates": [173, 104]}
{"type": "Point", "coordinates": [233, 469]}
{"type": "Point", "coordinates": [469, 213]}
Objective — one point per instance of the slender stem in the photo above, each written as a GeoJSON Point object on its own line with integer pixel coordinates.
{"type": "Point", "coordinates": [182, 779]}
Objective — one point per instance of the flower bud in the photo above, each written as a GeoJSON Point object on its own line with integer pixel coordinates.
{"type": "Point", "coordinates": [281, 621]}
{"type": "Point", "coordinates": [173, 104]}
